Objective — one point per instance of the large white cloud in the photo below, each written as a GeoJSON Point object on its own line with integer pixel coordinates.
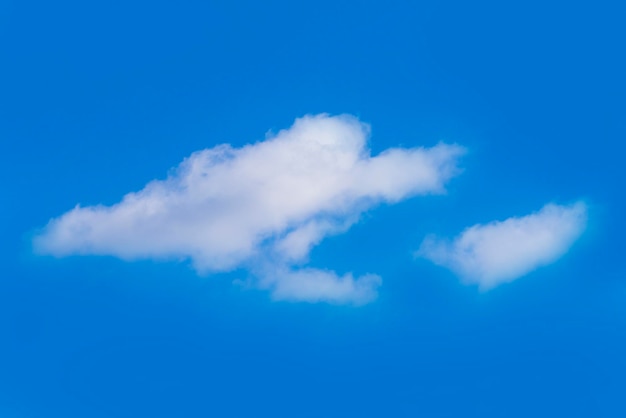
{"type": "Point", "coordinates": [266, 203]}
{"type": "Point", "coordinates": [500, 252]}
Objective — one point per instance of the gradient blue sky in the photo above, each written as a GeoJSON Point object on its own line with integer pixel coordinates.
{"type": "Point", "coordinates": [99, 98]}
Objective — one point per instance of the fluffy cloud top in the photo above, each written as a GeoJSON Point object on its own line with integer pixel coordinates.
{"type": "Point", "coordinates": [500, 252]}
{"type": "Point", "coordinates": [266, 203]}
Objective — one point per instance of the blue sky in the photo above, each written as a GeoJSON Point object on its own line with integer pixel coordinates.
{"type": "Point", "coordinates": [519, 110]}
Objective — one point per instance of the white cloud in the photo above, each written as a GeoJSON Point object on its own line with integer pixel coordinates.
{"type": "Point", "coordinates": [501, 252]}
{"type": "Point", "coordinates": [268, 202]}
{"type": "Point", "coordinates": [316, 285]}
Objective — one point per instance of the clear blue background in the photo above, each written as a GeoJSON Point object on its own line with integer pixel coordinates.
{"type": "Point", "coordinates": [99, 97]}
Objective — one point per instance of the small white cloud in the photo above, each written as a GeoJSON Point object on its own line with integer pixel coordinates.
{"type": "Point", "coordinates": [265, 203]}
{"type": "Point", "coordinates": [501, 252]}
{"type": "Point", "coordinates": [314, 285]}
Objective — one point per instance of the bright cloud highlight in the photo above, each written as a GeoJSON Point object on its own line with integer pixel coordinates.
{"type": "Point", "coordinates": [265, 204]}
{"type": "Point", "coordinates": [503, 251]}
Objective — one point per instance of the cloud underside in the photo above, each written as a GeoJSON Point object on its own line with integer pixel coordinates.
{"type": "Point", "coordinates": [261, 207]}
{"type": "Point", "coordinates": [501, 252]}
